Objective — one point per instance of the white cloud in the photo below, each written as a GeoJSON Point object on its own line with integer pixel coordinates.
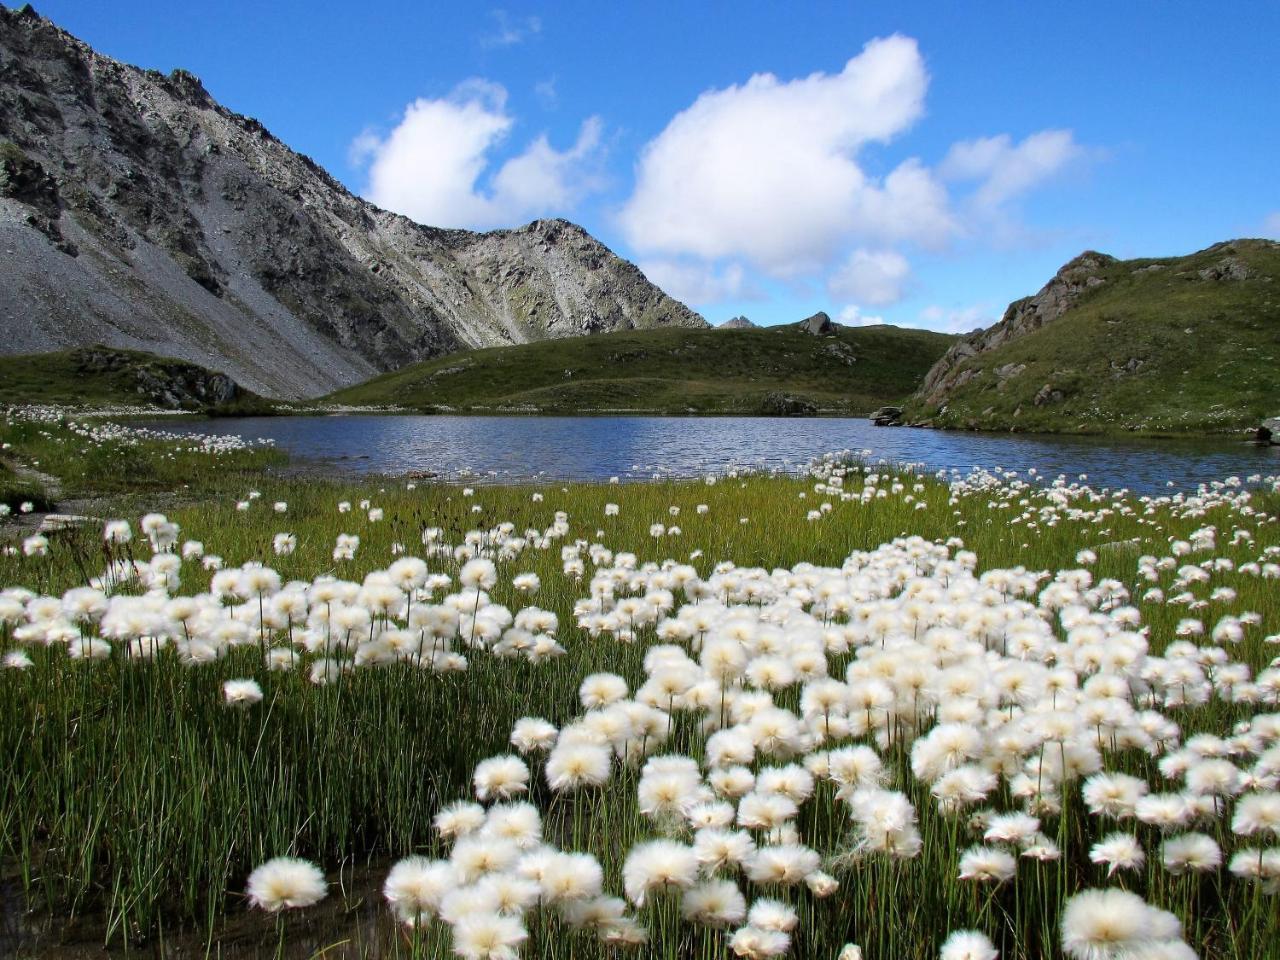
{"type": "Point", "coordinates": [696, 283]}
{"type": "Point", "coordinates": [956, 319]}
{"type": "Point", "coordinates": [509, 31]}
{"type": "Point", "coordinates": [852, 316]}
{"type": "Point", "coordinates": [1005, 170]}
{"type": "Point", "coordinates": [363, 147]}
{"type": "Point", "coordinates": [1271, 225]}
{"type": "Point", "coordinates": [767, 171]}
{"type": "Point", "coordinates": [432, 166]}
{"type": "Point", "coordinates": [875, 277]}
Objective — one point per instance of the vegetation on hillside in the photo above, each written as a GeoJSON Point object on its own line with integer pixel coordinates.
{"type": "Point", "coordinates": [106, 376]}
{"type": "Point", "coordinates": [770, 370]}
{"type": "Point", "coordinates": [1159, 346]}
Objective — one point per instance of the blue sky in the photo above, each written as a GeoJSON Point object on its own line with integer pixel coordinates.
{"type": "Point", "coordinates": [924, 163]}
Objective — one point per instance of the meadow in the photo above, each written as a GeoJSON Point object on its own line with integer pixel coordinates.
{"type": "Point", "coordinates": [854, 712]}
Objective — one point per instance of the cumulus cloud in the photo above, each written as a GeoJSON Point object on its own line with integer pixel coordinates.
{"type": "Point", "coordinates": [852, 316]}
{"type": "Point", "coordinates": [956, 319]}
{"type": "Point", "coordinates": [768, 171]}
{"type": "Point", "coordinates": [698, 283]}
{"type": "Point", "coordinates": [875, 277]}
{"type": "Point", "coordinates": [432, 167]}
{"type": "Point", "coordinates": [1004, 170]}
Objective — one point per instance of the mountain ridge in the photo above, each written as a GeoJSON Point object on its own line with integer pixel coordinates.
{"type": "Point", "coordinates": [138, 212]}
{"type": "Point", "coordinates": [775, 371]}
{"type": "Point", "coordinates": [1152, 345]}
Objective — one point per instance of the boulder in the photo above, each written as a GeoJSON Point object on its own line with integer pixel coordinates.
{"type": "Point", "coordinates": [819, 325]}
{"type": "Point", "coordinates": [1047, 394]}
{"type": "Point", "coordinates": [787, 405]}
{"type": "Point", "coordinates": [1228, 268]}
{"type": "Point", "coordinates": [887, 416]}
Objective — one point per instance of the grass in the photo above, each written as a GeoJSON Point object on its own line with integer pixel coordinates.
{"type": "Point", "coordinates": [106, 377]}
{"type": "Point", "coordinates": [669, 371]}
{"type": "Point", "coordinates": [96, 459]}
{"type": "Point", "coordinates": [133, 803]}
{"type": "Point", "coordinates": [16, 490]}
{"type": "Point", "coordinates": [1154, 349]}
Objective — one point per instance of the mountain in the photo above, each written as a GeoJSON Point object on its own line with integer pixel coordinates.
{"type": "Point", "coordinates": [738, 323]}
{"type": "Point", "coordinates": [779, 370]}
{"type": "Point", "coordinates": [137, 212]}
{"type": "Point", "coordinates": [1171, 345]}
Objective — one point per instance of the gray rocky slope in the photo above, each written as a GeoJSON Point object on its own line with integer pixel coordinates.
{"type": "Point", "coordinates": [137, 212]}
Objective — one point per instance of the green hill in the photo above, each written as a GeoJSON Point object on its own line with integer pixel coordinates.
{"type": "Point", "coordinates": [777, 370]}
{"type": "Point", "coordinates": [106, 376]}
{"type": "Point", "coordinates": [1177, 345]}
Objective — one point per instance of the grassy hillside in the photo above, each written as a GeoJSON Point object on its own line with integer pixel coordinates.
{"type": "Point", "coordinates": [1178, 345]}
{"type": "Point", "coordinates": [102, 376]}
{"type": "Point", "coordinates": [852, 371]}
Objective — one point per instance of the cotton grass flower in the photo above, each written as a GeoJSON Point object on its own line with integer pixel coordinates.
{"type": "Point", "coordinates": [987, 865]}
{"type": "Point", "coordinates": [968, 945]}
{"type": "Point", "coordinates": [501, 778]}
{"type": "Point", "coordinates": [1190, 853]}
{"type": "Point", "coordinates": [1257, 813]}
{"type": "Point", "coordinates": [572, 766]}
{"type": "Point", "coordinates": [714, 903]}
{"type": "Point", "coordinates": [241, 693]}
{"type": "Point", "coordinates": [1112, 925]}
{"type": "Point", "coordinates": [657, 865]}
{"type": "Point", "coordinates": [415, 887]}
{"type": "Point", "coordinates": [488, 936]}
{"type": "Point", "coordinates": [1118, 851]}
{"type": "Point", "coordinates": [286, 883]}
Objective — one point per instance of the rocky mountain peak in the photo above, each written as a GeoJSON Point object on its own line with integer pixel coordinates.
{"type": "Point", "coordinates": [138, 212]}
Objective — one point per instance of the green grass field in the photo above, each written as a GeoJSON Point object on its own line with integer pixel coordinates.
{"type": "Point", "coordinates": [1155, 348]}
{"type": "Point", "coordinates": [134, 803]}
{"type": "Point", "coordinates": [669, 371]}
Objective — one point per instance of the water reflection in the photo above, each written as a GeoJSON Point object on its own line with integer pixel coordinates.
{"type": "Point", "coordinates": [596, 448]}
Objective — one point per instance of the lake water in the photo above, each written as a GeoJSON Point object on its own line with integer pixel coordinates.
{"type": "Point", "coordinates": [596, 448]}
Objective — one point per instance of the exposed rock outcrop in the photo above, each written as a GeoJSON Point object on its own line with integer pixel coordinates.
{"type": "Point", "coordinates": [738, 323]}
{"type": "Point", "coordinates": [787, 405]}
{"type": "Point", "coordinates": [1022, 316]}
{"type": "Point", "coordinates": [137, 212]}
{"type": "Point", "coordinates": [173, 384]}
{"type": "Point", "coordinates": [819, 325]}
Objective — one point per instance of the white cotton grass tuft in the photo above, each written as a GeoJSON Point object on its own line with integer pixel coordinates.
{"type": "Point", "coordinates": [714, 903]}
{"type": "Point", "coordinates": [1114, 925]}
{"type": "Point", "coordinates": [500, 778]}
{"type": "Point", "coordinates": [1118, 851]}
{"type": "Point", "coordinates": [286, 883]}
{"type": "Point", "coordinates": [655, 865]}
{"type": "Point", "coordinates": [18, 660]}
{"type": "Point", "coordinates": [415, 887]}
{"type": "Point", "coordinates": [968, 945]}
{"type": "Point", "coordinates": [755, 943]}
{"type": "Point", "coordinates": [241, 693]}
{"type": "Point", "coordinates": [488, 936]}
